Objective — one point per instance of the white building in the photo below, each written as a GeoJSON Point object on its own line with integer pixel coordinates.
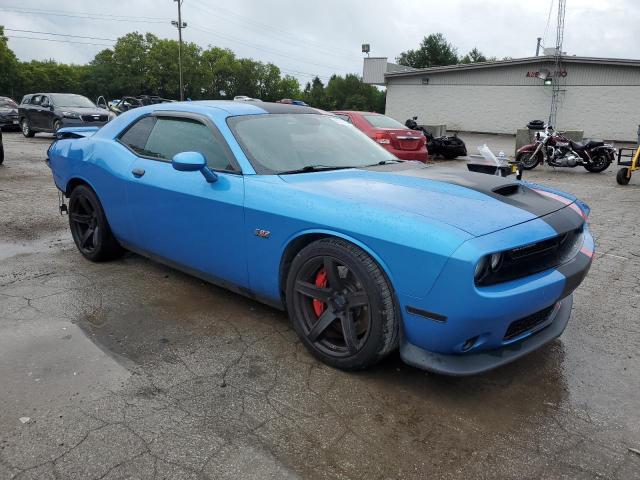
{"type": "Point", "coordinates": [598, 95]}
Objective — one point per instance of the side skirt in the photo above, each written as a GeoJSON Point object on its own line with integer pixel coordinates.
{"type": "Point", "coordinates": [219, 282]}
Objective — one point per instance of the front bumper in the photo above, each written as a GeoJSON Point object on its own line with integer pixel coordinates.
{"type": "Point", "coordinates": [9, 121]}
{"type": "Point", "coordinates": [461, 321]}
{"type": "Point", "coordinates": [475, 363]}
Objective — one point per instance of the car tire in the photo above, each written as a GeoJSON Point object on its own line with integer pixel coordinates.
{"type": "Point", "coordinates": [57, 125]}
{"type": "Point", "coordinates": [527, 160]}
{"type": "Point", "coordinates": [89, 226]}
{"type": "Point", "coordinates": [341, 304]}
{"type": "Point", "coordinates": [621, 176]}
{"type": "Point", "coordinates": [25, 126]}
{"type": "Point", "coordinates": [1, 151]}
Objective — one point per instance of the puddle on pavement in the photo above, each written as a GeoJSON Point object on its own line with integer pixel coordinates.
{"type": "Point", "coordinates": [45, 364]}
{"type": "Point", "coordinates": [42, 244]}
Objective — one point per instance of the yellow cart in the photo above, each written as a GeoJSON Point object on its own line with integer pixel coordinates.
{"type": "Point", "coordinates": [628, 166]}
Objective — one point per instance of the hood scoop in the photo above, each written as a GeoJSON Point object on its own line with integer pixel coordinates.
{"type": "Point", "coordinates": [507, 190]}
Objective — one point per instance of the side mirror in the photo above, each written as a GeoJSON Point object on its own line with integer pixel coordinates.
{"type": "Point", "coordinates": [193, 162]}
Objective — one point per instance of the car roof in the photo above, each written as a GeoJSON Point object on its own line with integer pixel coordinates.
{"type": "Point", "coordinates": [357, 112]}
{"type": "Point", "coordinates": [232, 108]}
{"type": "Point", "coordinates": [240, 108]}
{"type": "Point", "coordinates": [215, 109]}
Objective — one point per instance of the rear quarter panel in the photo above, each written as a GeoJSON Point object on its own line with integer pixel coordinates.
{"type": "Point", "coordinates": [102, 163]}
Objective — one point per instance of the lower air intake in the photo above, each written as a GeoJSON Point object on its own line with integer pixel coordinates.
{"type": "Point", "coordinates": [526, 324]}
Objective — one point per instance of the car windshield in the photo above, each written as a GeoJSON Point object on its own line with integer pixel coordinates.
{"type": "Point", "coordinates": [278, 143]}
{"type": "Point", "coordinates": [61, 100]}
{"type": "Point", "coordinates": [380, 121]}
{"type": "Point", "coordinates": [7, 103]}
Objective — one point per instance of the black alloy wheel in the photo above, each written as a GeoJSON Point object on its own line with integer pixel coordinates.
{"type": "Point", "coordinates": [89, 227]}
{"type": "Point", "coordinates": [341, 304]}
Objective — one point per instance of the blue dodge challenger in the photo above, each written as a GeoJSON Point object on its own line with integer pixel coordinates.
{"type": "Point", "coordinates": [298, 209]}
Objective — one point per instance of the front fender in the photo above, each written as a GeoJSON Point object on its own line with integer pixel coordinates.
{"type": "Point", "coordinates": [331, 233]}
{"type": "Point", "coordinates": [527, 148]}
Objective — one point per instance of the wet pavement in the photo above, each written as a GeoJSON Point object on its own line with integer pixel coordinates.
{"type": "Point", "coordinates": [130, 369]}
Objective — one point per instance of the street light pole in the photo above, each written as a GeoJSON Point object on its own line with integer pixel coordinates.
{"type": "Point", "coordinates": [180, 25]}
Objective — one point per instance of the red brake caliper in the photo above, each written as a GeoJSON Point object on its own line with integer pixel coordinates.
{"type": "Point", "coordinates": [321, 282]}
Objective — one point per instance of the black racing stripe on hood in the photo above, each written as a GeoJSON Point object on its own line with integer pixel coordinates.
{"type": "Point", "coordinates": [512, 193]}
{"type": "Point", "coordinates": [564, 220]}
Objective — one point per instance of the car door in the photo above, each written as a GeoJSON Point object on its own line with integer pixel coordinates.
{"type": "Point", "coordinates": [32, 111]}
{"type": "Point", "coordinates": [178, 216]}
{"type": "Point", "coordinates": [45, 114]}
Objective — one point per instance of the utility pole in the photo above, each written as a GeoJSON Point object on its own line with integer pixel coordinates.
{"type": "Point", "coordinates": [180, 25]}
{"type": "Point", "coordinates": [538, 46]}
{"type": "Point", "coordinates": [557, 78]}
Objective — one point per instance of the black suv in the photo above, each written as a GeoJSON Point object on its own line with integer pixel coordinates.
{"type": "Point", "coordinates": [48, 112]}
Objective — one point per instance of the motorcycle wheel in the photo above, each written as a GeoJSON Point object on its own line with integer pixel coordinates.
{"type": "Point", "coordinates": [600, 164]}
{"type": "Point", "coordinates": [527, 160]}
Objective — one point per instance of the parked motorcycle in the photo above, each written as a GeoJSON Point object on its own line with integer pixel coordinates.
{"type": "Point", "coordinates": [448, 147]}
{"type": "Point", "coordinates": [558, 151]}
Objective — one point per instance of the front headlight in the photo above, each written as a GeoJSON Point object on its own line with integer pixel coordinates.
{"type": "Point", "coordinates": [489, 264]}
{"type": "Point", "coordinates": [70, 115]}
{"type": "Point", "coordinates": [495, 260]}
{"type": "Point", "coordinates": [481, 269]}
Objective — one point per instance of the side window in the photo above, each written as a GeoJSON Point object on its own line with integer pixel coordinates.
{"type": "Point", "coordinates": [35, 100]}
{"type": "Point", "coordinates": [174, 135]}
{"type": "Point", "coordinates": [136, 136]}
{"type": "Point", "coordinates": [344, 117]}
{"type": "Point", "coordinates": [44, 101]}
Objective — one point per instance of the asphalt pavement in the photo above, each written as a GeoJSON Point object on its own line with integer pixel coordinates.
{"type": "Point", "coordinates": [132, 370]}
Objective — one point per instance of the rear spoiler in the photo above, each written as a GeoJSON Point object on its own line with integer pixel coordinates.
{"type": "Point", "coordinates": [75, 132]}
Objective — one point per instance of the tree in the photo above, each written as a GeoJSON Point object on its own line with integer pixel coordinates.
{"type": "Point", "coordinates": [315, 94]}
{"type": "Point", "coordinates": [474, 56]}
{"type": "Point", "coordinates": [434, 51]}
{"type": "Point", "coordinates": [145, 64]}
{"type": "Point", "coordinates": [9, 72]}
{"type": "Point", "coordinates": [218, 70]}
{"type": "Point", "coordinates": [289, 87]}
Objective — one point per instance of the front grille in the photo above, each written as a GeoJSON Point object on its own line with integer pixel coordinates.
{"type": "Point", "coordinates": [526, 324]}
{"type": "Point", "coordinates": [536, 257]}
{"type": "Point", "coordinates": [94, 118]}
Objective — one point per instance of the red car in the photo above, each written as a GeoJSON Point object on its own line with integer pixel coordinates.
{"type": "Point", "coordinates": [403, 143]}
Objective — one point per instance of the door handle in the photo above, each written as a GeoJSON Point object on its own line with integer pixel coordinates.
{"type": "Point", "coordinates": [138, 172]}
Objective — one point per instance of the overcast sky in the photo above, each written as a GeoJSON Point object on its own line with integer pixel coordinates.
{"type": "Point", "coordinates": [323, 37]}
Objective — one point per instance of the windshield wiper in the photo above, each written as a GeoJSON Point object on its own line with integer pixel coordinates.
{"type": "Point", "coordinates": [314, 168]}
{"type": "Point", "coordinates": [383, 162]}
